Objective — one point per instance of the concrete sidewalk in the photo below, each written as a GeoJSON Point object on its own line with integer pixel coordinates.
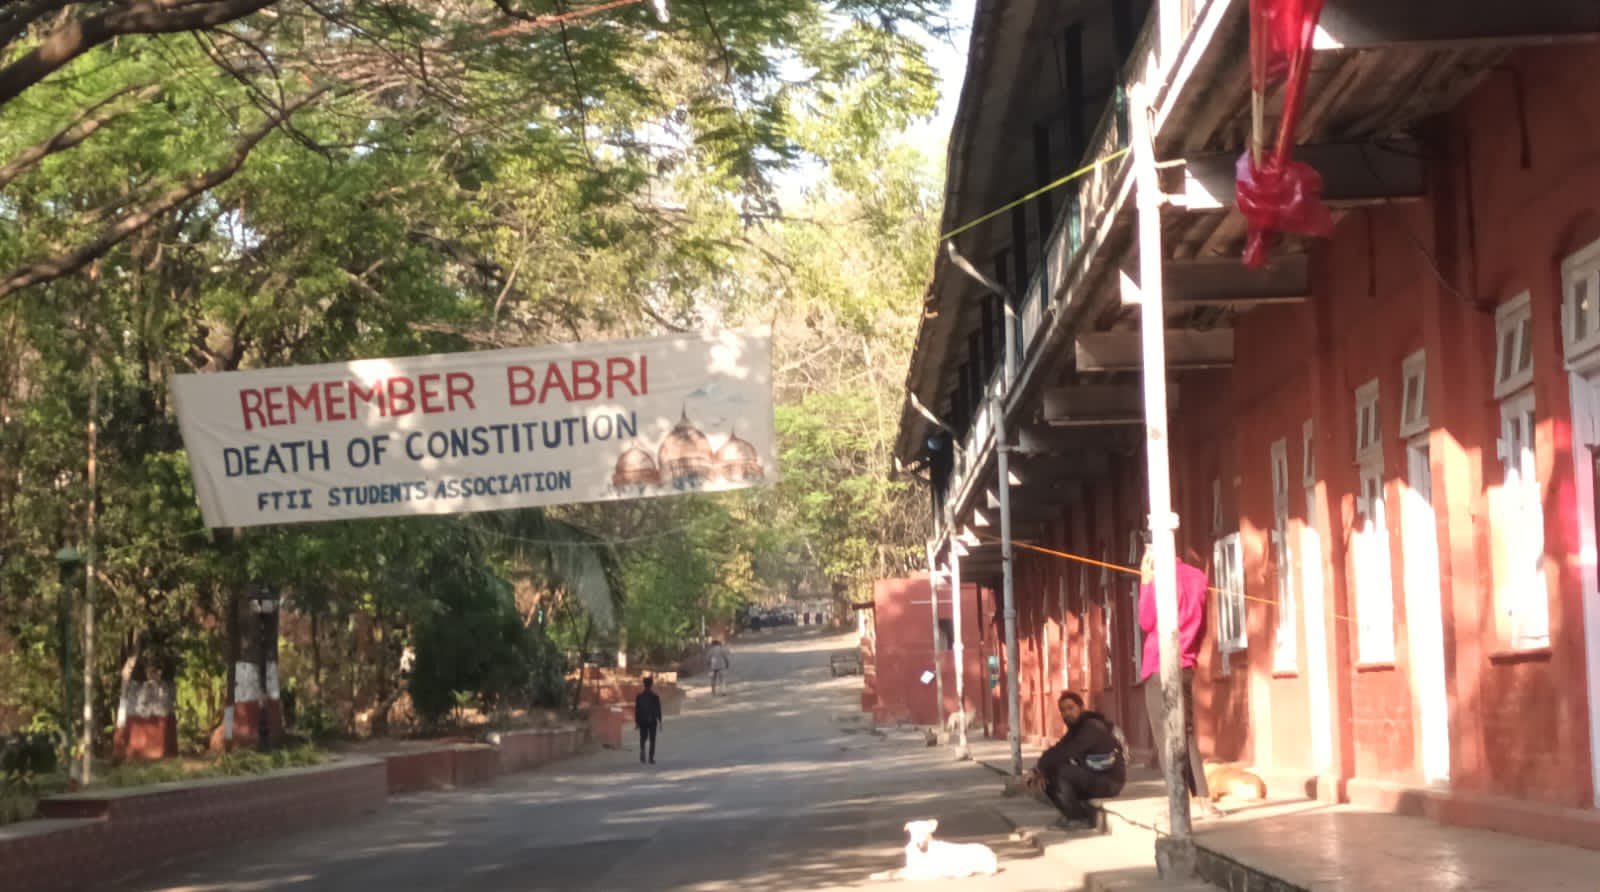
{"type": "Point", "coordinates": [1120, 857]}
{"type": "Point", "coordinates": [1309, 846]}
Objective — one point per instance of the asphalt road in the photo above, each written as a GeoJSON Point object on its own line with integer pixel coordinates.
{"type": "Point", "coordinates": [779, 785]}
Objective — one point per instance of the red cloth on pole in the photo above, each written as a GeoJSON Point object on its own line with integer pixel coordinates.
{"type": "Point", "coordinates": [1276, 194]}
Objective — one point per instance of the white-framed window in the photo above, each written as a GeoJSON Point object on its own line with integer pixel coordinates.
{"type": "Point", "coordinates": [1311, 566]}
{"type": "Point", "coordinates": [1285, 646]}
{"type": "Point", "coordinates": [1066, 633]}
{"type": "Point", "coordinates": [1108, 612]}
{"type": "Point", "coordinates": [1580, 304]}
{"type": "Point", "coordinates": [1227, 561]}
{"type": "Point", "coordinates": [1374, 582]}
{"type": "Point", "coordinates": [1523, 599]}
{"type": "Point", "coordinates": [1308, 454]}
{"type": "Point", "coordinates": [1369, 432]}
{"type": "Point", "coordinates": [1513, 363]}
{"type": "Point", "coordinates": [1310, 544]}
{"type": "Point", "coordinates": [1083, 623]}
{"type": "Point", "coordinates": [1044, 642]}
{"type": "Point", "coordinates": [1414, 394]}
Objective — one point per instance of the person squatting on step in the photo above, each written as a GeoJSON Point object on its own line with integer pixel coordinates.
{"type": "Point", "coordinates": [1087, 763]}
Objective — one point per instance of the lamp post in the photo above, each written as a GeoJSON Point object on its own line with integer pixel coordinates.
{"type": "Point", "coordinates": [264, 602]}
{"type": "Point", "coordinates": [68, 560]}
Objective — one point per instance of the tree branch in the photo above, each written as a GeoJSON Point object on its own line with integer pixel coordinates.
{"type": "Point", "coordinates": [15, 21]}
{"type": "Point", "coordinates": [82, 127]}
{"type": "Point", "coordinates": [111, 236]}
{"type": "Point", "coordinates": [73, 39]}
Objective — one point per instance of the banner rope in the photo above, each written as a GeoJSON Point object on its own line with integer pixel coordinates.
{"type": "Point", "coordinates": [1080, 172]}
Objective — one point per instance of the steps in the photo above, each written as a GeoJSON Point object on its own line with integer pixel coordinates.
{"type": "Point", "coordinates": [1119, 857]}
{"type": "Point", "coordinates": [1142, 881]}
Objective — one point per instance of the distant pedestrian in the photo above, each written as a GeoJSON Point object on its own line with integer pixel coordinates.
{"type": "Point", "coordinates": [647, 716]}
{"type": "Point", "coordinates": [718, 661]}
{"type": "Point", "coordinates": [1192, 588]}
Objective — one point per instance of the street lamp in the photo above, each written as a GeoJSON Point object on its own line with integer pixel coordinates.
{"type": "Point", "coordinates": [67, 562]}
{"type": "Point", "coordinates": [264, 602]}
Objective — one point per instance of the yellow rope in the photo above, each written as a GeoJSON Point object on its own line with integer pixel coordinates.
{"type": "Point", "coordinates": [1134, 571]}
{"type": "Point", "coordinates": [1082, 171]}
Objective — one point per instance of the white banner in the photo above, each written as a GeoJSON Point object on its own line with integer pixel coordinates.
{"type": "Point", "coordinates": [456, 433]}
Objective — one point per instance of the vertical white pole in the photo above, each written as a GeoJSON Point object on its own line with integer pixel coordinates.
{"type": "Point", "coordinates": [1172, 736]}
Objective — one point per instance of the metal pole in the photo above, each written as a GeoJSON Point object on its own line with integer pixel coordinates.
{"type": "Point", "coordinates": [960, 650]}
{"type": "Point", "coordinates": [933, 601]}
{"type": "Point", "coordinates": [1172, 736]}
{"type": "Point", "coordinates": [1013, 662]}
{"type": "Point", "coordinates": [86, 770]}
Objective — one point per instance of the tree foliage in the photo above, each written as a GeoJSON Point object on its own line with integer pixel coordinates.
{"type": "Point", "coordinates": [227, 184]}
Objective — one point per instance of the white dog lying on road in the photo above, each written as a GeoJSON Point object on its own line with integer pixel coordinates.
{"type": "Point", "coordinates": [929, 859]}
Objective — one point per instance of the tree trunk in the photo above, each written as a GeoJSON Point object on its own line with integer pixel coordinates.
{"type": "Point", "coordinates": [583, 663]}
{"type": "Point", "coordinates": [386, 697]}
{"type": "Point", "coordinates": [316, 654]}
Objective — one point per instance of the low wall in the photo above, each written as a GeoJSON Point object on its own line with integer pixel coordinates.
{"type": "Point", "coordinates": [93, 839]}
{"type": "Point", "coordinates": [89, 840]}
{"type": "Point", "coordinates": [463, 765]}
{"type": "Point", "coordinates": [623, 692]}
{"type": "Point", "coordinates": [608, 723]}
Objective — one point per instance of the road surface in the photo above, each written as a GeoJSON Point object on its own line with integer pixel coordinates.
{"type": "Point", "coordinates": [779, 785]}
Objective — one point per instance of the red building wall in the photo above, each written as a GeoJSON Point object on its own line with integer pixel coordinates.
{"type": "Point", "coordinates": [1514, 188]}
{"type": "Point", "coordinates": [1525, 212]}
{"type": "Point", "coordinates": [903, 650]}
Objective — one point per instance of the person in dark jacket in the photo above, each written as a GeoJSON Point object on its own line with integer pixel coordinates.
{"type": "Point", "coordinates": [1086, 763]}
{"type": "Point", "coordinates": [647, 716]}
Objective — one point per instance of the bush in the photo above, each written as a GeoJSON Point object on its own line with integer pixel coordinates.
{"type": "Point", "coordinates": [25, 756]}
{"type": "Point", "coordinates": [318, 721]}
{"type": "Point", "coordinates": [29, 766]}
{"type": "Point", "coordinates": [476, 650]}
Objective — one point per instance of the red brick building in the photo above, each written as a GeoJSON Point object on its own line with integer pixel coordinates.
{"type": "Point", "coordinates": [898, 648]}
{"type": "Point", "coordinates": [1383, 446]}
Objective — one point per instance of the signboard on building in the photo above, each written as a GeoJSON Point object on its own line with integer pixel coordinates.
{"type": "Point", "coordinates": [483, 431]}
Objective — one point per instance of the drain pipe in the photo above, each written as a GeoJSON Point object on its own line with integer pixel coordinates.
{"type": "Point", "coordinates": [1002, 450]}
{"type": "Point", "coordinates": [933, 599]}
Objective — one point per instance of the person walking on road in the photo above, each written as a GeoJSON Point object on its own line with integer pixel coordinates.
{"type": "Point", "coordinates": [647, 716]}
{"type": "Point", "coordinates": [718, 661]}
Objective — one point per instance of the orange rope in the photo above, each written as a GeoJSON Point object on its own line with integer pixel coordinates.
{"type": "Point", "coordinates": [1134, 571]}
{"type": "Point", "coordinates": [546, 21]}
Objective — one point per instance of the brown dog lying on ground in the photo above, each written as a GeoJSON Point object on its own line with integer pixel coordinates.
{"type": "Point", "coordinates": [1231, 780]}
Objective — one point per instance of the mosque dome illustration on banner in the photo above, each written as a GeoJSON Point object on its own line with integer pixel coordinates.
{"type": "Point", "coordinates": [685, 456]}
{"type": "Point", "coordinates": [636, 468]}
{"type": "Point", "coordinates": [737, 462]}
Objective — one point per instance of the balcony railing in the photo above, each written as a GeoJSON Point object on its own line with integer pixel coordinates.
{"type": "Point", "coordinates": [1156, 52]}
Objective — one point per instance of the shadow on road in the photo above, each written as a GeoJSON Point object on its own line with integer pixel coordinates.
{"type": "Point", "coordinates": [780, 785]}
